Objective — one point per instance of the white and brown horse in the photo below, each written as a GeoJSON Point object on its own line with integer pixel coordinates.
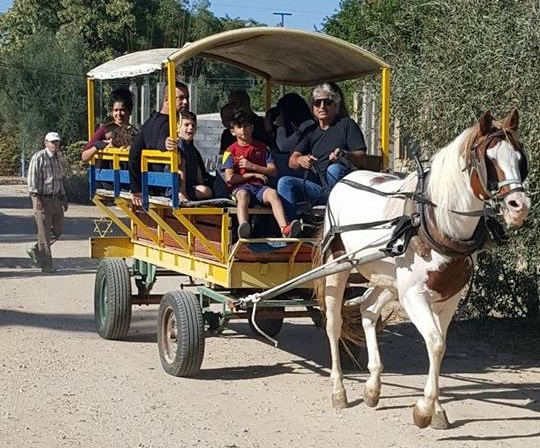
{"type": "Point", "coordinates": [484, 164]}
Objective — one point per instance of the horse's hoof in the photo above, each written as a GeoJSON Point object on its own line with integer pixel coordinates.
{"type": "Point", "coordinates": [420, 419]}
{"type": "Point", "coordinates": [440, 421]}
{"type": "Point", "coordinates": [371, 398]}
{"type": "Point", "coordinates": [339, 400]}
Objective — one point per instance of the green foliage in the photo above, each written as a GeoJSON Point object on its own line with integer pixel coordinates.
{"type": "Point", "coordinates": [9, 156]}
{"type": "Point", "coordinates": [76, 186]}
{"type": "Point", "coordinates": [43, 90]}
{"type": "Point", "coordinates": [47, 47]}
{"type": "Point", "coordinates": [451, 61]}
{"type": "Point", "coordinates": [72, 156]}
{"type": "Point", "coordinates": [76, 177]}
{"type": "Point", "coordinates": [500, 289]}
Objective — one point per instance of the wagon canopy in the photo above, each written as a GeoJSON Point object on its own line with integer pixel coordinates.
{"type": "Point", "coordinates": [280, 55]}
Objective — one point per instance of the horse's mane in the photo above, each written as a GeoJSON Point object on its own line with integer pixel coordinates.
{"type": "Point", "coordinates": [448, 185]}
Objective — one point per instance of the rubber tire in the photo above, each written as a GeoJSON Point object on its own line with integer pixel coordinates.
{"type": "Point", "coordinates": [112, 299]}
{"type": "Point", "coordinates": [180, 333]}
{"type": "Point", "coordinates": [271, 326]}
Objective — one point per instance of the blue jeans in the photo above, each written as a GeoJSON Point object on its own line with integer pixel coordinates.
{"type": "Point", "coordinates": [295, 192]}
{"type": "Point", "coordinates": [335, 173]}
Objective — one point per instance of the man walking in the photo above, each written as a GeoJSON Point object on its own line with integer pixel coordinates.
{"type": "Point", "coordinates": [49, 201]}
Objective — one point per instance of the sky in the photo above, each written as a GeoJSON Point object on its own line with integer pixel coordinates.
{"type": "Point", "coordinates": [305, 15]}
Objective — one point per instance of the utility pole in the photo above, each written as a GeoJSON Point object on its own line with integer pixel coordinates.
{"type": "Point", "coordinates": [282, 14]}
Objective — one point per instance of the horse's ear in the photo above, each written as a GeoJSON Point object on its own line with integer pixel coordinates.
{"type": "Point", "coordinates": [485, 122]}
{"type": "Point", "coordinates": [512, 120]}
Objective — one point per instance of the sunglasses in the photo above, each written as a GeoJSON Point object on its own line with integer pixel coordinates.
{"type": "Point", "coordinates": [323, 101]}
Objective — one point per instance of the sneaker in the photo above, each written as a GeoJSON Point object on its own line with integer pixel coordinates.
{"type": "Point", "coordinates": [48, 270]}
{"type": "Point", "coordinates": [292, 229]}
{"type": "Point", "coordinates": [34, 256]}
{"type": "Point", "coordinates": [244, 230]}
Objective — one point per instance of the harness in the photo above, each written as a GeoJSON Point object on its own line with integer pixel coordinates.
{"type": "Point", "coordinates": [422, 221]}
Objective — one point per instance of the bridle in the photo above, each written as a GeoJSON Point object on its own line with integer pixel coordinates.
{"type": "Point", "coordinates": [496, 186]}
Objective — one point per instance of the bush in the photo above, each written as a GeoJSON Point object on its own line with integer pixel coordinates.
{"type": "Point", "coordinates": [451, 61]}
{"type": "Point", "coordinates": [72, 156]}
{"type": "Point", "coordinates": [76, 181]}
{"type": "Point", "coordinates": [10, 156]}
{"type": "Point", "coordinates": [76, 186]}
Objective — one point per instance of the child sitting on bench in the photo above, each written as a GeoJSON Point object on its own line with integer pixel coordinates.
{"type": "Point", "coordinates": [194, 178]}
{"type": "Point", "coordinates": [248, 164]}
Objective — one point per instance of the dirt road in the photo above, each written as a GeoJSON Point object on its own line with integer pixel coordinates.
{"type": "Point", "coordinates": [63, 386]}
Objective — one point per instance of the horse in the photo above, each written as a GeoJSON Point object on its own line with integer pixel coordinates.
{"type": "Point", "coordinates": [483, 166]}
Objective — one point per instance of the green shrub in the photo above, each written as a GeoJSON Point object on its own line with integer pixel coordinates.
{"type": "Point", "coordinates": [76, 185]}
{"type": "Point", "coordinates": [72, 156]}
{"type": "Point", "coordinates": [10, 155]}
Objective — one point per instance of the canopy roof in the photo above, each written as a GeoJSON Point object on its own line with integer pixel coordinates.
{"type": "Point", "coordinates": [281, 55]}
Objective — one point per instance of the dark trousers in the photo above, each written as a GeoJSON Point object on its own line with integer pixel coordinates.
{"type": "Point", "coordinates": [50, 225]}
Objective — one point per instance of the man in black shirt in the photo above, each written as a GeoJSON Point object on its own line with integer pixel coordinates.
{"type": "Point", "coordinates": [321, 150]}
{"type": "Point", "coordinates": [152, 136]}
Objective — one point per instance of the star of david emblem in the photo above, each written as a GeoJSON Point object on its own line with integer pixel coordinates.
{"type": "Point", "coordinates": [102, 226]}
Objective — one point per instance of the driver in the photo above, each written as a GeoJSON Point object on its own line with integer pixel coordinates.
{"type": "Point", "coordinates": [329, 150]}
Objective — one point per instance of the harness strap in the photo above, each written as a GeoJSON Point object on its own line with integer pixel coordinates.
{"type": "Point", "coordinates": [417, 196]}
{"type": "Point", "coordinates": [336, 230]}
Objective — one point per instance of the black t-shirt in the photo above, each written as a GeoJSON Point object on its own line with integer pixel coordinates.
{"type": "Point", "coordinates": [151, 136]}
{"type": "Point", "coordinates": [193, 162]}
{"type": "Point", "coordinates": [343, 133]}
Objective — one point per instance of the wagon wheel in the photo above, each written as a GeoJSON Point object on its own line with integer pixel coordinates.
{"type": "Point", "coordinates": [112, 299]}
{"type": "Point", "coordinates": [180, 333]}
{"type": "Point", "coordinates": [270, 325]}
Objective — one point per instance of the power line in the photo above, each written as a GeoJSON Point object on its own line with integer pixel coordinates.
{"type": "Point", "coordinates": [300, 11]}
{"type": "Point", "coordinates": [41, 70]}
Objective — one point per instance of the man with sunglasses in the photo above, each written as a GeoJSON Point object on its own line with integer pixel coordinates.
{"type": "Point", "coordinates": [328, 151]}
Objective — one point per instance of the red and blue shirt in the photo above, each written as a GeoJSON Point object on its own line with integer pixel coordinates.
{"type": "Point", "coordinates": [256, 152]}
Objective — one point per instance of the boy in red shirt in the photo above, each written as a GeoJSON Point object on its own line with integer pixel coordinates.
{"type": "Point", "coordinates": [248, 164]}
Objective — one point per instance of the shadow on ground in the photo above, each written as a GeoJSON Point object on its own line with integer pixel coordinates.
{"type": "Point", "coordinates": [21, 267]}
{"type": "Point", "coordinates": [22, 229]}
{"type": "Point", "coordinates": [63, 322]}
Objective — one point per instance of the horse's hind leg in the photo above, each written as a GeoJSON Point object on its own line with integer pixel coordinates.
{"type": "Point", "coordinates": [335, 287]}
{"type": "Point", "coordinates": [372, 307]}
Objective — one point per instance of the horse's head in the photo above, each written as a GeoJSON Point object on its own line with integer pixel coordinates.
{"type": "Point", "coordinates": [498, 167]}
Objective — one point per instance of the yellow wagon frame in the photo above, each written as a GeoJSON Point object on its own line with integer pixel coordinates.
{"type": "Point", "coordinates": [280, 56]}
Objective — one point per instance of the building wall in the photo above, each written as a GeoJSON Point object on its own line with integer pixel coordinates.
{"type": "Point", "coordinates": [207, 140]}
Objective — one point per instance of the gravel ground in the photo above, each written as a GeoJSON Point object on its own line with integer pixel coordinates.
{"type": "Point", "coordinates": [61, 385]}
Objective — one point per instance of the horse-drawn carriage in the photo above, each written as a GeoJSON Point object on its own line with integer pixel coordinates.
{"type": "Point", "coordinates": [198, 240]}
{"type": "Point", "coordinates": [446, 210]}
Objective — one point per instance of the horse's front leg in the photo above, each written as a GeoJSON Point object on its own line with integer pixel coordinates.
{"type": "Point", "coordinates": [416, 302]}
{"type": "Point", "coordinates": [443, 316]}
{"type": "Point", "coordinates": [335, 287]}
{"type": "Point", "coordinates": [372, 306]}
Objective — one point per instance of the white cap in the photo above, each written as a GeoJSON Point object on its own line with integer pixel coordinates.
{"type": "Point", "coordinates": [52, 137]}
